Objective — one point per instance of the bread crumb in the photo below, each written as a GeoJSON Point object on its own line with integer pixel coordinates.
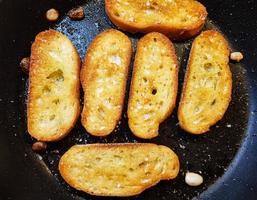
{"type": "Point", "coordinates": [76, 13]}
{"type": "Point", "coordinates": [24, 64]}
{"type": "Point", "coordinates": [236, 56]}
{"type": "Point", "coordinates": [39, 146]}
{"type": "Point", "coordinates": [52, 15]}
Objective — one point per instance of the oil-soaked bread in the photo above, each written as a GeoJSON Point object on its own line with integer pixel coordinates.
{"type": "Point", "coordinates": [154, 85]}
{"type": "Point", "coordinates": [208, 84]}
{"type": "Point", "coordinates": [53, 99]}
{"type": "Point", "coordinates": [179, 19]}
{"type": "Point", "coordinates": [117, 169]}
{"type": "Point", "coordinates": [104, 77]}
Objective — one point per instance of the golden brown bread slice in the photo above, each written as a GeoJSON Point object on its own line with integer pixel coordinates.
{"type": "Point", "coordinates": [154, 85]}
{"type": "Point", "coordinates": [53, 99]}
{"type": "Point", "coordinates": [104, 77]}
{"type": "Point", "coordinates": [179, 19]}
{"type": "Point", "coordinates": [208, 84]}
{"type": "Point", "coordinates": [117, 169]}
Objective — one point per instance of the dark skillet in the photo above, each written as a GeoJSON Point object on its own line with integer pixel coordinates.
{"type": "Point", "coordinates": [226, 156]}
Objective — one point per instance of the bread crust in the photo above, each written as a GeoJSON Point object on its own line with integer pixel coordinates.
{"type": "Point", "coordinates": [89, 77]}
{"type": "Point", "coordinates": [171, 167]}
{"type": "Point", "coordinates": [224, 49]}
{"type": "Point", "coordinates": [40, 63]}
{"type": "Point", "coordinates": [179, 32]}
{"type": "Point", "coordinates": [169, 50]}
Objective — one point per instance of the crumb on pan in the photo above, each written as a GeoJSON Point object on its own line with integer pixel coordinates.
{"type": "Point", "coordinates": [236, 56]}
{"type": "Point", "coordinates": [24, 64]}
{"type": "Point", "coordinates": [52, 15]}
{"type": "Point", "coordinates": [39, 146]}
{"type": "Point", "coordinates": [76, 13]}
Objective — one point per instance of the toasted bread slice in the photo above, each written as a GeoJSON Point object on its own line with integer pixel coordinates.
{"type": "Point", "coordinates": [117, 169]}
{"type": "Point", "coordinates": [104, 77]}
{"type": "Point", "coordinates": [53, 99]}
{"type": "Point", "coordinates": [178, 19]}
{"type": "Point", "coordinates": [208, 84]}
{"type": "Point", "coordinates": [154, 85]}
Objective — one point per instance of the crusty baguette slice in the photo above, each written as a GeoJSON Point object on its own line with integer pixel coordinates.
{"type": "Point", "coordinates": [179, 19]}
{"type": "Point", "coordinates": [208, 84]}
{"type": "Point", "coordinates": [154, 85]}
{"type": "Point", "coordinates": [117, 169]}
{"type": "Point", "coordinates": [53, 99]}
{"type": "Point", "coordinates": [104, 77]}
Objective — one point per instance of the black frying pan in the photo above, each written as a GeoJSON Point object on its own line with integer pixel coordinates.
{"type": "Point", "coordinates": [226, 156]}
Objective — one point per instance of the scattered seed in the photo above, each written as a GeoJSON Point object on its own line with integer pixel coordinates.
{"type": "Point", "coordinates": [52, 15]}
{"type": "Point", "coordinates": [39, 146]}
{"type": "Point", "coordinates": [24, 64]}
{"type": "Point", "coordinates": [76, 13]}
{"type": "Point", "coordinates": [236, 56]}
{"type": "Point", "coordinates": [193, 179]}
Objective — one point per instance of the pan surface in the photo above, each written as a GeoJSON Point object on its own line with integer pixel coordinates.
{"type": "Point", "coordinates": [226, 156]}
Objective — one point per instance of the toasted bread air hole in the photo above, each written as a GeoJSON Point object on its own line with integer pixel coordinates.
{"type": "Point", "coordinates": [56, 101]}
{"type": "Point", "coordinates": [208, 67]}
{"type": "Point", "coordinates": [145, 79]}
{"type": "Point", "coordinates": [153, 6]}
{"type": "Point", "coordinates": [155, 39]}
{"type": "Point", "coordinates": [117, 157]}
{"type": "Point", "coordinates": [184, 19]}
{"type": "Point", "coordinates": [46, 90]}
{"type": "Point", "coordinates": [101, 112]}
{"type": "Point", "coordinates": [147, 173]}
{"type": "Point", "coordinates": [98, 159]}
{"type": "Point", "coordinates": [117, 14]}
{"type": "Point", "coordinates": [213, 102]}
{"type": "Point", "coordinates": [142, 164]}
{"type": "Point", "coordinates": [154, 91]}
{"type": "Point", "coordinates": [131, 169]}
{"type": "Point", "coordinates": [88, 166]}
{"type": "Point", "coordinates": [197, 109]}
{"type": "Point", "coordinates": [56, 76]}
{"type": "Point", "coordinates": [174, 167]}
{"type": "Point", "coordinates": [52, 117]}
